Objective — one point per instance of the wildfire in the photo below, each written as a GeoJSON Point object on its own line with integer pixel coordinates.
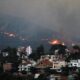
{"type": "Point", "coordinates": [9, 34]}
{"type": "Point", "coordinates": [13, 35]}
{"type": "Point", "coordinates": [53, 42]}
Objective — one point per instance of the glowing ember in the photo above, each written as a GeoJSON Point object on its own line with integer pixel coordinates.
{"type": "Point", "coordinates": [53, 42]}
{"type": "Point", "coordinates": [11, 35]}
{"type": "Point", "coordinates": [63, 43]}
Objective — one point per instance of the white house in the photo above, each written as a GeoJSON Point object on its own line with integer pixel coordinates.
{"type": "Point", "coordinates": [26, 64]}
{"type": "Point", "coordinates": [58, 64]}
{"type": "Point", "coordinates": [23, 67]}
{"type": "Point", "coordinates": [50, 57]}
{"type": "Point", "coordinates": [5, 54]}
{"type": "Point", "coordinates": [74, 63]}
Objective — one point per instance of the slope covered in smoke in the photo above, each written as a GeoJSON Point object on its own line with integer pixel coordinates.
{"type": "Point", "coordinates": [25, 29]}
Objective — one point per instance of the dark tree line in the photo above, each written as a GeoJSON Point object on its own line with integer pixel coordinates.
{"type": "Point", "coordinates": [40, 50]}
{"type": "Point", "coordinates": [12, 55]}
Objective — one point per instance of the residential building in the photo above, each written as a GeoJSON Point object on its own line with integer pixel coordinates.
{"type": "Point", "coordinates": [74, 63]}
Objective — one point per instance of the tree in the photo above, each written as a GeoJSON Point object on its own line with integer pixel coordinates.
{"type": "Point", "coordinates": [12, 55]}
{"type": "Point", "coordinates": [40, 50]}
{"type": "Point", "coordinates": [59, 47]}
{"type": "Point", "coordinates": [37, 53]}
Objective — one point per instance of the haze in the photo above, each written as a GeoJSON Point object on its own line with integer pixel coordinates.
{"type": "Point", "coordinates": [62, 16]}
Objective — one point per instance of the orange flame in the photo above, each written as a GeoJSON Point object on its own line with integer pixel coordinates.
{"type": "Point", "coordinates": [53, 42]}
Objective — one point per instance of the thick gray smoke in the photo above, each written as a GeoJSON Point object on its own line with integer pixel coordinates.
{"type": "Point", "coordinates": [58, 15]}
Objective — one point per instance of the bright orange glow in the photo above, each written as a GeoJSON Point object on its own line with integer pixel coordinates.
{"type": "Point", "coordinates": [53, 42]}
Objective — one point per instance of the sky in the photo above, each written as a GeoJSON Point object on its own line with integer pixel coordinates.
{"type": "Point", "coordinates": [62, 16]}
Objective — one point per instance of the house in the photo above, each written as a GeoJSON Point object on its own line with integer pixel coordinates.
{"type": "Point", "coordinates": [7, 67]}
{"type": "Point", "coordinates": [58, 64]}
{"type": "Point", "coordinates": [74, 63]}
{"type": "Point", "coordinates": [52, 57]}
{"type": "Point", "coordinates": [25, 65]}
{"type": "Point", "coordinates": [44, 63]}
{"type": "Point", "coordinates": [56, 60]}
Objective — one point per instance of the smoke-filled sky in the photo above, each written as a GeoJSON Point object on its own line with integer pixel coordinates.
{"type": "Point", "coordinates": [56, 15]}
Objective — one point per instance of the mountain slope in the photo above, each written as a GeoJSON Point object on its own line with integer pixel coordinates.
{"type": "Point", "coordinates": [31, 33]}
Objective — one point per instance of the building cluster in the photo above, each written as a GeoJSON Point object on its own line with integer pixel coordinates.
{"type": "Point", "coordinates": [55, 61]}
